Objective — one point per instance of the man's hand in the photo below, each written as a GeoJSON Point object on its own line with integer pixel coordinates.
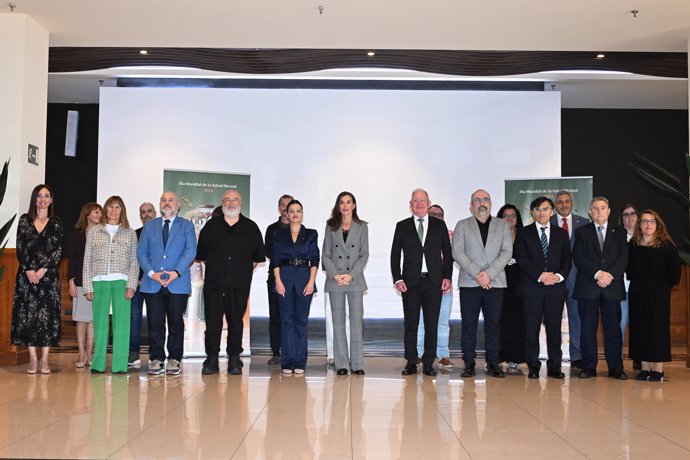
{"type": "Point", "coordinates": [484, 280]}
{"type": "Point", "coordinates": [446, 285]}
{"type": "Point", "coordinates": [401, 286]}
{"type": "Point", "coordinates": [129, 293]}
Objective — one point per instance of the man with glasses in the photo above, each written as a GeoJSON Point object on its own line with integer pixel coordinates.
{"type": "Point", "coordinates": [542, 252]}
{"type": "Point", "coordinates": [231, 248]}
{"type": "Point", "coordinates": [601, 257]}
{"type": "Point", "coordinates": [482, 247]}
{"type": "Point", "coordinates": [426, 271]}
{"type": "Point", "coordinates": [570, 222]}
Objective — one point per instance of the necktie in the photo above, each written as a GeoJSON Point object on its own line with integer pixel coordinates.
{"type": "Point", "coordinates": [601, 237]}
{"type": "Point", "coordinates": [420, 230]}
{"type": "Point", "coordinates": [166, 232]}
{"type": "Point", "coordinates": [565, 225]}
{"type": "Point", "coordinates": [544, 241]}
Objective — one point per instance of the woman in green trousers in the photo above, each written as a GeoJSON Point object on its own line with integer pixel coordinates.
{"type": "Point", "coordinates": [110, 279]}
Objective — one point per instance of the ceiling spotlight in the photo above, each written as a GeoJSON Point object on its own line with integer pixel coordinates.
{"type": "Point", "coordinates": [601, 56]}
{"type": "Point", "coordinates": [143, 52]}
{"type": "Point", "coordinates": [634, 13]}
{"type": "Point", "coordinates": [371, 54]}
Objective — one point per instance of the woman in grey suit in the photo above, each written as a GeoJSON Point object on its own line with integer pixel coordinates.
{"type": "Point", "coordinates": [345, 253]}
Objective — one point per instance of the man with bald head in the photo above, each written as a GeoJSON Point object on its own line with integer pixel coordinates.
{"type": "Point", "coordinates": [482, 247]}
{"type": "Point", "coordinates": [427, 267]}
{"type": "Point", "coordinates": [231, 247]}
{"type": "Point", "coordinates": [166, 250]}
{"type": "Point", "coordinates": [147, 211]}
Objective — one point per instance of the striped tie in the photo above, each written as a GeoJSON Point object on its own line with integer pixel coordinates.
{"type": "Point", "coordinates": [544, 242]}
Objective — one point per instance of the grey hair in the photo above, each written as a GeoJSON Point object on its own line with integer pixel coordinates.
{"type": "Point", "coordinates": [420, 190]}
{"type": "Point", "coordinates": [598, 198]}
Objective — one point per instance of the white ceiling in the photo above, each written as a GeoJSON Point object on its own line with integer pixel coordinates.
{"type": "Point", "coordinates": [584, 25]}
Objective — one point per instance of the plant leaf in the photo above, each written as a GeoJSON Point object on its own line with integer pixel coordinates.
{"type": "Point", "coordinates": [658, 170]}
{"type": "Point", "coordinates": [687, 163]}
{"type": "Point", "coordinates": [6, 228]}
{"type": "Point", "coordinates": [659, 183]}
{"type": "Point", "coordinates": [3, 180]}
{"type": "Point", "coordinates": [685, 256]}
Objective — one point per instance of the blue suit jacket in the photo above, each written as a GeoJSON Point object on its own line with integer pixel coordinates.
{"type": "Point", "coordinates": [177, 255]}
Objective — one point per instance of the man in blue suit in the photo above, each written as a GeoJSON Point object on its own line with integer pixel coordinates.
{"type": "Point", "coordinates": [570, 222]}
{"type": "Point", "coordinates": [167, 247]}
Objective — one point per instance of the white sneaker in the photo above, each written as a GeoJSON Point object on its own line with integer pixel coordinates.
{"type": "Point", "coordinates": [172, 367]}
{"type": "Point", "coordinates": [287, 371]}
{"type": "Point", "coordinates": [299, 371]}
{"type": "Point", "coordinates": [156, 367]}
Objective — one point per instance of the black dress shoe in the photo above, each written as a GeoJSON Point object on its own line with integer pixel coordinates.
{"type": "Point", "coordinates": [341, 371]}
{"type": "Point", "coordinates": [410, 370]}
{"type": "Point", "coordinates": [495, 371]}
{"type": "Point", "coordinates": [469, 369]}
{"type": "Point", "coordinates": [618, 374]}
{"type": "Point", "coordinates": [656, 376]}
{"type": "Point", "coordinates": [577, 364]}
{"type": "Point", "coordinates": [555, 373]}
{"type": "Point", "coordinates": [210, 366]}
{"type": "Point", "coordinates": [533, 373]}
{"type": "Point", "coordinates": [587, 373]}
{"type": "Point", "coordinates": [643, 376]}
{"type": "Point", "coordinates": [429, 371]}
{"type": "Point", "coordinates": [235, 365]}
{"type": "Point", "coordinates": [358, 372]}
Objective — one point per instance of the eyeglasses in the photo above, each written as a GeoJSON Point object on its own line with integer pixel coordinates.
{"type": "Point", "coordinates": [547, 209]}
{"type": "Point", "coordinates": [486, 199]}
{"type": "Point", "coordinates": [648, 221]}
{"type": "Point", "coordinates": [510, 216]}
{"type": "Point", "coordinates": [629, 214]}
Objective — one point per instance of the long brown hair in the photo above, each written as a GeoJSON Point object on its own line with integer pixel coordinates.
{"type": "Point", "coordinates": [661, 235]}
{"type": "Point", "coordinates": [32, 205]}
{"type": "Point", "coordinates": [124, 223]}
{"type": "Point", "coordinates": [336, 219]}
{"type": "Point", "coordinates": [84, 214]}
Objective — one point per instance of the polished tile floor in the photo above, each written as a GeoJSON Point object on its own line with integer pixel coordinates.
{"type": "Point", "coordinates": [262, 414]}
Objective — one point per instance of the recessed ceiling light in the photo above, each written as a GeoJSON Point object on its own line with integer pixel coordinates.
{"type": "Point", "coordinates": [143, 52]}
{"type": "Point", "coordinates": [601, 56]}
{"type": "Point", "coordinates": [371, 53]}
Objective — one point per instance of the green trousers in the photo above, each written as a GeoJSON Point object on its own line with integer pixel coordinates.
{"type": "Point", "coordinates": [105, 293]}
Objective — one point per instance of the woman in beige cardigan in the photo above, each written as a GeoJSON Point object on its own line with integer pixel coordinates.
{"type": "Point", "coordinates": [110, 277]}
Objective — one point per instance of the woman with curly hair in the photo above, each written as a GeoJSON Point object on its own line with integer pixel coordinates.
{"type": "Point", "coordinates": [653, 269]}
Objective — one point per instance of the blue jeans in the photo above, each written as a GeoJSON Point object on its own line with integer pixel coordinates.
{"type": "Point", "coordinates": [135, 314]}
{"type": "Point", "coordinates": [443, 328]}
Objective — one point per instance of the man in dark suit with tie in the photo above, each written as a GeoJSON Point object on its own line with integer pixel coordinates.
{"type": "Point", "coordinates": [570, 222]}
{"type": "Point", "coordinates": [601, 256]}
{"type": "Point", "coordinates": [427, 268]}
{"type": "Point", "coordinates": [542, 252]}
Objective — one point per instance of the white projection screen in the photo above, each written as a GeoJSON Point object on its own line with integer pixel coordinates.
{"type": "Point", "coordinates": [315, 143]}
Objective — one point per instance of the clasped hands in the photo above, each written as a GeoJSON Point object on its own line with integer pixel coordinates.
{"type": "Point", "coordinates": [604, 279]}
{"type": "Point", "coordinates": [484, 280]}
{"type": "Point", "coordinates": [164, 277]}
{"type": "Point", "coordinates": [36, 275]}
{"type": "Point", "coordinates": [343, 280]}
{"type": "Point", "coordinates": [549, 279]}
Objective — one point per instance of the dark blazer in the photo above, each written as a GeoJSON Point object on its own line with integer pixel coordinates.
{"type": "Point", "coordinates": [578, 221]}
{"type": "Point", "coordinates": [589, 259]}
{"type": "Point", "coordinates": [436, 250]}
{"type": "Point", "coordinates": [532, 263]}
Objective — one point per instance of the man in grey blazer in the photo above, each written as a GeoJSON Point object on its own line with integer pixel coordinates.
{"type": "Point", "coordinates": [570, 222]}
{"type": "Point", "coordinates": [482, 247]}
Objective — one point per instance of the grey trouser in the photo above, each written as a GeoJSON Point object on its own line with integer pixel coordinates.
{"type": "Point", "coordinates": [340, 349]}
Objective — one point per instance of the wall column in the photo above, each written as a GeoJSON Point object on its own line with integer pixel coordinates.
{"type": "Point", "coordinates": [24, 94]}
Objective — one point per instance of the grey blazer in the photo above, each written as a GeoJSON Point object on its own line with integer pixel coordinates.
{"type": "Point", "coordinates": [339, 257]}
{"type": "Point", "coordinates": [472, 257]}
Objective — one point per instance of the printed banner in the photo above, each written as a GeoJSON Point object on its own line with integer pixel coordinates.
{"type": "Point", "coordinates": [521, 192]}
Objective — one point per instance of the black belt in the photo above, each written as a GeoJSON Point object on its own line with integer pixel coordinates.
{"type": "Point", "coordinates": [295, 262]}
{"type": "Point", "coordinates": [425, 274]}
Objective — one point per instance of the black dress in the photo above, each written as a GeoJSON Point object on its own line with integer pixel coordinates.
{"type": "Point", "coordinates": [36, 307]}
{"type": "Point", "coordinates": [652, 273]}
{"type": "Point", "coordinates": [512, 320]}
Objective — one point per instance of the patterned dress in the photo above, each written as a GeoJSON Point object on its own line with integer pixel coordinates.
{"type": "Point", "coordinates": [36, 307]}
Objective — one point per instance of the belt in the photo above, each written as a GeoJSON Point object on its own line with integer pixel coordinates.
{"type": "Point", "coordinates": [425, 274]}
{"type": "Point", "coordinates": [295, 262]}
